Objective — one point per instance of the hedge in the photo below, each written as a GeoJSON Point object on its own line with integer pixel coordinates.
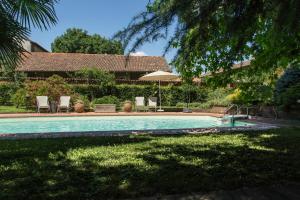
{"type": "Point", "coordinates": [170, 94]}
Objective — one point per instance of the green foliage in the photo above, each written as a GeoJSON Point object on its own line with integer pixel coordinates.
{"type": "Point", "coordinates": [102, 79]}
{"type": "Point", "coordinates": [6, 91]}
{"type": "Point", "coordinates": [16, 20]}
{"type": "Point", "coordinates": [211, 35]}
{"type": "Point", "coordinates": [170, 94]}
{"type": "Point", "coordinates": [77, 98]}
{"type": "Point", "coordinates": [252, 95]}
{"type": "Point", "coordinates": [215, 97]}
{"type": "Point", "coordinates": [291, 96]}
{"type": "Point", "coordinates": [53, 87]}
{"type": "Point", "coordinates": [287, 88]}
{"type": "Point", "coordinates": [16, 77]}
{"type": "Point", "coordinates": [107, 100]}
{"type": "Point", "coordinates": [79, 41]}
{"type": "Point", "coordinates": [19, 98]}
{"type": "Point", "coordinates": [96, 76]}
{"type": "Point", "coordinates": [135, 166]}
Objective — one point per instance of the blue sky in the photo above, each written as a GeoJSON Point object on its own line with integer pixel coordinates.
{"type": "Point", "coordinates": [104, 17]}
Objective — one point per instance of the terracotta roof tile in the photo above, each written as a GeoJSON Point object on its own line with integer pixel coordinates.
{"type": "Point", "coordinates": [67, 62]}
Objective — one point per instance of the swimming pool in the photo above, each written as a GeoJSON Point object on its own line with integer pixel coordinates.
{"type": "Point", "coordinates": [108, 123]}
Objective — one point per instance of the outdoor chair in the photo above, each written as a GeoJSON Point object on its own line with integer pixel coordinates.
{"type": "Point", "coordinates": [42, 103]}
{"type": "Point", "coordinates": [140, 103]}
{"type": "Point", "coordinates": [64, 103]}
{"type": "Point", "coordinates": [152, 103]}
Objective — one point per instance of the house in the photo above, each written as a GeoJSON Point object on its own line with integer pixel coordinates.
{"type": "Point", "coordinates": [44, 64]}
{"type": "Point", "coordinates": [31, 46]}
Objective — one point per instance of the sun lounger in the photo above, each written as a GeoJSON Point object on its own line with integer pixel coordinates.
{"type": "Point", "coordinates": [64, 103]}
{"type": "Point", "coordinates": [42, 103]}
{"type": "Point", "coordinates": [152, 103]}
{"type": "Point", "coordinates": [140, 103]}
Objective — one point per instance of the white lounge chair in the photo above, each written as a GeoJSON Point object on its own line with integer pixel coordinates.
{"type": "Point", "coordinates": [64, 103]}
{"type": "Point", "coordinates": [152, 103]}
{"type": "Point", "coordinates": [140, 103]}
{"type": "Point", "coordinates": [42, 103]}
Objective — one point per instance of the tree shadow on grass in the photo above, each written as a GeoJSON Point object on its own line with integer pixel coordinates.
{"type": "Point", "coordinates": [43, 169]}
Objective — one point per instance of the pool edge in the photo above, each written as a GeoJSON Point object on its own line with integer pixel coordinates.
{"type": "Point", "coordinates": [256, 127]}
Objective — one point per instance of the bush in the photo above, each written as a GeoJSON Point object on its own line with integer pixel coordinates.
{"type": "Point", "coordinates": [6, 92]}
{"type": "Point", "coordinates": [107, 100]}
{"type": "Point", "coordinates": [287, 88]}
{"type": "Point", "coordinates": [216, 97]}
{"type": "Point", "coordinates": [170, 94]}
{"type": "Point", "coordinates": [19, 98]}
{"type": "Point", "coordinates": [96, 77]}
{"type": "Point", "coordinates": [290, 96]}
{"type": "Point", "coordinates": [200, 105]}
{"type": "Point", "coordinates": [53, 87]}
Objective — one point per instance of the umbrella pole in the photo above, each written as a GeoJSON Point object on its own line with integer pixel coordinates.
{"type": "Point", "coordinates": [159, 95]}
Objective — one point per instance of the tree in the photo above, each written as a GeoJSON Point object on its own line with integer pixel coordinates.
{"type": "Point", "coordinates": [76, 40]}
{"type": "Point", "coordinates": [214, 34]}
{"type": "Point", "coordinates": [287, 90]}
{"type": "Point", "coordinates": [16, 19]}
{"type": "Point", "coordinates": [96, 76]}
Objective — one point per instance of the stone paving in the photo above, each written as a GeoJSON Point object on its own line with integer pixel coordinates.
{"type": "Point", "coordinates": [72, 114]}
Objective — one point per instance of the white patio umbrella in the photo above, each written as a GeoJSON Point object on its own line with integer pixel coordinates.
{"type": "Point", "coordinates": [159, 76]}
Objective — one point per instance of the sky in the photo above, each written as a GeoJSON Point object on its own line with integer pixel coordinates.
{"type": "Point", "coordinates": [104, 17]}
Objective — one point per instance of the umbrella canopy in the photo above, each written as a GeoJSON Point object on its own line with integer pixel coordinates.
{"type": "Point", "coordinates": [159, 76]}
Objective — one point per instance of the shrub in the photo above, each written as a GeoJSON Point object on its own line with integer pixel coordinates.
{"type": "Point", "coordinates": [53, 87]}
{"type": "Point", "coordinates": [217, 97]}
{"type": "Point", "coordinates": [200, 105]}
{"type": "Point", "coordinates": [96, 77]}
{"type": "Point", "coordinates": [170, 94]}
{"type": "Point", "coordinates": [290, 96]}
{"type": "Point", "coordinates": [107, 100]}
{"type": "Point", "coordinates": [6, 92]}
{"type": "Point", "coordinates": [19, 98]}
{"type": "Point", "coordinates": [76, 98]}
{"type": "Point", "coordinates": [287, 87]}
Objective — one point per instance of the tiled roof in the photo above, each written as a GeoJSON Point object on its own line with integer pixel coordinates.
{"type": "Point", "coordinates": [68, 62]}
{"type": "Point", "coordinates": [234, 66]}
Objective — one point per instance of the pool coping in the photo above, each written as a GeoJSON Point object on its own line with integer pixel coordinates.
{"type": "Point", "coordinates": [91, 114]}
{"type": "Point", "coordinates": [258, 126]}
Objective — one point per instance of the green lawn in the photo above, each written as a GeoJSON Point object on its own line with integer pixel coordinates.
{"type": "Point", "coordinates": [134, 166]}
{"type": "Point", "coordinates": [13, 109]}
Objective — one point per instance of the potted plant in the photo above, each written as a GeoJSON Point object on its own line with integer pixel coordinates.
{"type": "Point", "coordinates": [127, 107]}
{"type": "Point", "coordinates": [79, 106]}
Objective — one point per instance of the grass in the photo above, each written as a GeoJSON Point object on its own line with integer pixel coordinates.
{"type": "Point", "coordinates": [13, 109]}
{"type": "Point", "coordinates": [135, 166]}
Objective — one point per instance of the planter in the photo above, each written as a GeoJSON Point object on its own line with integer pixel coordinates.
{"type": "Point", "coordinates": [107, 108]}
{"type": "Point", "coordinates": [53, 106]}
{"type": "Point", "coordinates": [127, 107]}
{"type": "Point", "coordinates": [79, 107]}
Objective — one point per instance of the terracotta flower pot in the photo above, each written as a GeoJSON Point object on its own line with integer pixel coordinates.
{"type": "Point", "coordinates": [127, 107]}
{"type": "Point", "coordinates": [79, 107]}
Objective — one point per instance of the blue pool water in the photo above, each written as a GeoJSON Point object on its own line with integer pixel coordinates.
{"type": "Point", "coordinates": [108, 123]}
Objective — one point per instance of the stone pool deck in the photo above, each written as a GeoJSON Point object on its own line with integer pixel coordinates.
{"type": "Point", "coordinates": [73, 114]}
